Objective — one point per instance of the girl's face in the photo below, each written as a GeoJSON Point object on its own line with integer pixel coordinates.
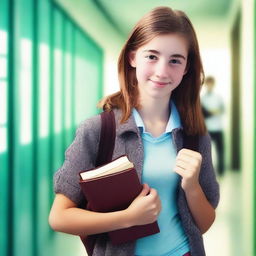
{"type": "Point", "coordinates": [160, 65]}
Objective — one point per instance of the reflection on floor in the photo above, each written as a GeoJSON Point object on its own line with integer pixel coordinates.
{"type": "Point", "coordinates": [225, 237]}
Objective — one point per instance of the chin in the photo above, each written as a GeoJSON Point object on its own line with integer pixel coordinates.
{"type": "Point", "coordinates": [158, 96]}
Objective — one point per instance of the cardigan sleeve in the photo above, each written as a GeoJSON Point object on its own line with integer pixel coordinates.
{"type": "Point", "coordinates": [207, 176]}
{"type": "Point", "coordinates": [80, 155]}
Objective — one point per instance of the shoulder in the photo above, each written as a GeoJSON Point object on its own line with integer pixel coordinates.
{"type": "Point", "coordinates": [204, 148]}
{"type": "Point", "coordinates": [88, 131]}
{"type": "Point", "coordinates": [90, 125]}
{"type": "Point", "coordinates": [208, 179]}
{"type": "Point", "coordinates": [204, 141]}
{"type": "Point", "coordinates": [204, 145]}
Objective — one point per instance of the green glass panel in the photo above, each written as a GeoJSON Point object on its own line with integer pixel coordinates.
{"type": "Point", "coordinates": [4, 151]}
{"type": "Point", "coordinates": [93, 69]}
{"type": "Point", "coordinates": [77, 65]}
{"type": "Point", "coordinates": [80, 79]}
{"type": "Point", "coordinates": [58, 87]}
{"type": "Point", "coordinates": [22, 180]}
{"type": "Point", "coordinates": [254, 183]}
{"type": "Point", "coordinates": [44, 173]}
{"type": "Point", "coordinates": [69, 85]}
{"type": "Point", "coordinates": [51, 100]}
{"type": "Point", "coordinates": [88, 73]}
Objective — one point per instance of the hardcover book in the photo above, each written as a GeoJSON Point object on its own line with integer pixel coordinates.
{"type": "Point", "coordinates": [112, 187]}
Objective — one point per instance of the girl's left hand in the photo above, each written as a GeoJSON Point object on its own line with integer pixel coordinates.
{"type": "Point", "coordinates": [188, 165]}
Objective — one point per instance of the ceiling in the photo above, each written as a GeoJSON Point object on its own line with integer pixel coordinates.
{"type": "Point", "coordinates": [123, 14]}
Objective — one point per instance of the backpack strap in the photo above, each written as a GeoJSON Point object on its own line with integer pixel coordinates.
{"type": "Point", "coordinates": [107, 138]}
{"type": "Point", "coordinates": [190, 141]}
{"type": "Point", "coordinates": [105, 152]}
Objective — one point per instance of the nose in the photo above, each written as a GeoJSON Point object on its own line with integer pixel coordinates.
{"type": "Point", "coordinates": [161, 69]}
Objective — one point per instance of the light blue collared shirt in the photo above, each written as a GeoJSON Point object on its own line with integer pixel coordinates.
{"type": "Point", "coordinates": [173, 122]}
{"type": "Point", "coordinates": [159, 159]}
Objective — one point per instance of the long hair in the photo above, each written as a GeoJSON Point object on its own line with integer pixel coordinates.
{"type": "Point", "coordinates": [159, 21]}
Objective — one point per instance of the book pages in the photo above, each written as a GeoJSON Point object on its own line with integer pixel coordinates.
{"type": "Point", "coordinates": [117, 165]}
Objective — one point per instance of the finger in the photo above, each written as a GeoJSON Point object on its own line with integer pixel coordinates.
{"type": "Point", "coordinates": [189, 152]}
{"type": "Point", "coordinates": [187, 159]}
{"type": "Point", "coordinates": [160, 207]}
{"type": "Point", "coordinates": [145, 190]}
{"type": "Point", "coordinates": [159, 204]}
{"type": "Point", "coordinates": [153, 193]}
{"type": "Point", "coordinates": [180, 171]}
{"type": "Point", "coordinates": [184, 165]}
{"type": "Point", "coordinates": [188, 163]}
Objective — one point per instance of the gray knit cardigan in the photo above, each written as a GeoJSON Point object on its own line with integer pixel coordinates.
{"type": "Point", "coordinates": [81, 155]}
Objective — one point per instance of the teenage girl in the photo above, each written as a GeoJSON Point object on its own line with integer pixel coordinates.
{"type": "Point", "coordinates": [160, 75]}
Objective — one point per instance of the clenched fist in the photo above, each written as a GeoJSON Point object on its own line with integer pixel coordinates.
{"type": "Point", "coordinates": [188, 165]}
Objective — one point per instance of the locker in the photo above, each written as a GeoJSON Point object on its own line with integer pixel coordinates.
{"type": "Point", "coordinates": [4, 122]}
{"type": "Point", "coordinates": [39, 111]}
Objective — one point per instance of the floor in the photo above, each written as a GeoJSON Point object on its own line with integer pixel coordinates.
{"type": "Point", "coordinates": [225, 236]}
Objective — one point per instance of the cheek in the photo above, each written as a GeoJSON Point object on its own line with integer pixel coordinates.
{"type": "Point", "coordinates": [143, 72]}
{"type": "Point", "coordinates": [179, 73]}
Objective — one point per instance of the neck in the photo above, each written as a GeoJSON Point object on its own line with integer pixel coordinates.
{"type": "Point", "coordinates": [154, 110]}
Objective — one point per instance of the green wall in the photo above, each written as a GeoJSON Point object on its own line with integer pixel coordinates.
{"type": "Point", "coordinates": [50, 80]}
{"type": "Point", "coordinates": [5, 204]}
{"type": "Point", "coordinates": [254, 139]}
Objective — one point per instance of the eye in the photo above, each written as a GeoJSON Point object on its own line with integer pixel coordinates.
{"type": "Point", "coordinates": [151, 57]}
{"type": "Point", "coordinates": [175, 61]}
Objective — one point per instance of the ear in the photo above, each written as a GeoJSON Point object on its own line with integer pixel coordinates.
{"type": "Point", "coordinates": [131, 56]}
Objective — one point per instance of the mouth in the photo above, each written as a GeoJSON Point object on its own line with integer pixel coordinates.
{"type": "Point", "coordinates": [159, 84]}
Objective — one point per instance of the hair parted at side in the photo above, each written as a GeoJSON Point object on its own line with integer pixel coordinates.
{"type": "Point", "coordinates": [159, 21]}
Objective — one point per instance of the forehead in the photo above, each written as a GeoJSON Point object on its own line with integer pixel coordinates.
{"type": "Point", "coordinates": [169, 43]}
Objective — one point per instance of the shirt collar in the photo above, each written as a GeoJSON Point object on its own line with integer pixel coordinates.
{"type": "Point", "coordinates": [138, 119]}
{"type": "Point", "coordinates": [173, 122]}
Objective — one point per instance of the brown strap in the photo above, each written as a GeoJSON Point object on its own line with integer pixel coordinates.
{"type": "Point", "coordinates": [107, 138]}
{"type": "Point", "coordinates": [191, 142]}
{"type": "Point", "coordinates": [105, 152]}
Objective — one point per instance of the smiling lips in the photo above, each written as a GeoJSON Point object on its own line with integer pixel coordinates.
{"type": "Point", "coordinates": [159, 84]}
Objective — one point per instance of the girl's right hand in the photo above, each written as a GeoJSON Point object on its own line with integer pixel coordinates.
{"type": "Point", "coordinates": [145, 208]}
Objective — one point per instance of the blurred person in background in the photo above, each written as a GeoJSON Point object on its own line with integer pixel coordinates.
{"type": "Point", "coordinates": [213, 109]}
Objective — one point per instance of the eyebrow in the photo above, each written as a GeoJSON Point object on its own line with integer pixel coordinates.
{"type": "Point", "coordinates": [177, 55]}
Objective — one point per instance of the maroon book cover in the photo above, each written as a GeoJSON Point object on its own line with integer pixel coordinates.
{"type": "Point", "coordinates": [115, 192]}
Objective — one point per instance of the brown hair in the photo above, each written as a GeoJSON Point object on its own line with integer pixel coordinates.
{"type": "Point", "coordinates": [159, 21]}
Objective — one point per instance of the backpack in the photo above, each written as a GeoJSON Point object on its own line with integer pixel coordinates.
{"type": "Point", "coordinates": [105, 152]}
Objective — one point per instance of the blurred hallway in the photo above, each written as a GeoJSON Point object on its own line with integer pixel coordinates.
{"type": "Point", "coordinates": [226, 234]}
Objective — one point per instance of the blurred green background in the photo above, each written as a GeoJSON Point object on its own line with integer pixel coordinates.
{"type": "Point", "coordinates": [58, 58]}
